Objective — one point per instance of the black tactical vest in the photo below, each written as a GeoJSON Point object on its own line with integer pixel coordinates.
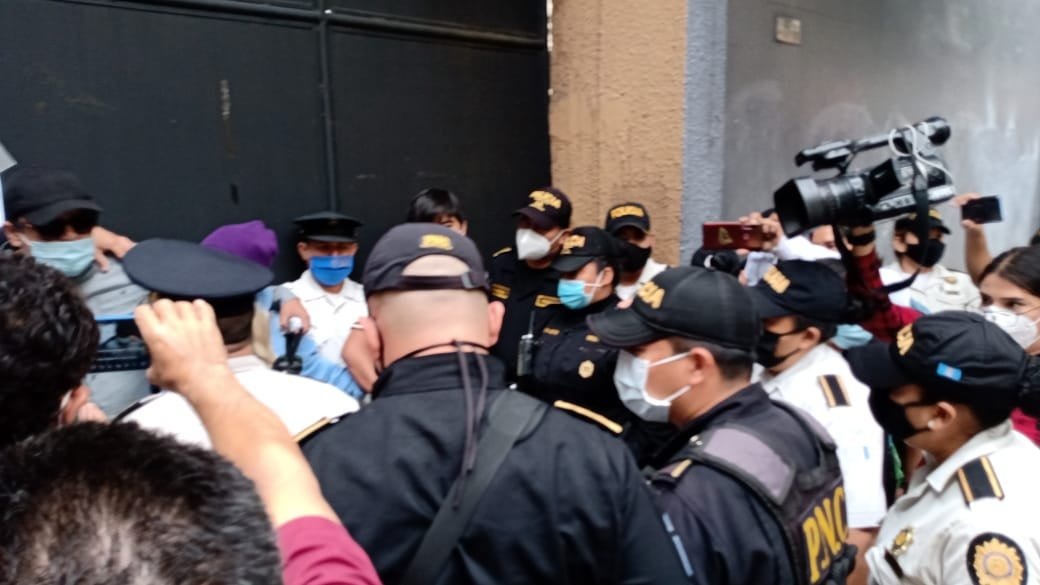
{"type": "Point", "coordinates": [808, 505]}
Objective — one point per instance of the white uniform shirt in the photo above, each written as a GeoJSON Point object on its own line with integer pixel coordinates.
{"type": "Point", "coordinates": [859, 439]}
{"type": "Point", "coordinates": [299, 402]}
{"type": "Point", "coordinates": [331, 314]}
{"type": "Point", "coordinates": [652, 269]}
{"type": "Point", "coordinates": [973, 519]}
{"type": "Point", "coordinates": [941, 289]}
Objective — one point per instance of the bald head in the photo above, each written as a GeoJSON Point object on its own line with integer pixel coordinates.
{"type": "Point", "coordinates": [410, 320]}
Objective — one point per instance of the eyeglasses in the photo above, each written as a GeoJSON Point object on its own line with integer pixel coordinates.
{"type": "Point", "coordinates": [81, 222]}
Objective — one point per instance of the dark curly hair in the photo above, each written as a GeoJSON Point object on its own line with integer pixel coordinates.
{"type": "Point", "coordinates": [48, 340]}
{"type": "Point", "coordinates": [98, 504]}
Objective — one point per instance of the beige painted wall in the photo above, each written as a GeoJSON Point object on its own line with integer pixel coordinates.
{"type": "Point", "coordinates": [616, 111]}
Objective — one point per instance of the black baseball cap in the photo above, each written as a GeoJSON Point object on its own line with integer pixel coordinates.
{"type": "Point", "coordinates": [42, 195]}
{"type": "Point", "coordinates": [328, 226]}
{"type": "Point", "coordinates": [629, 214]}
{"type": "Point", "coordinates": [182, 270]}
{"type": "Point", "coordinates": [409, 242]}
{"type": "Point", "coordinates": [688, 302]}
{"type": "Point", "coordinates": [957, 354]}
{"type": "Point", "coordinates": [935, 221]}
{"type": "Point", "coordinates": [583, 245]}
{"type": "Point", "coordinates": [800, 287]}
{"type": "Point", "coordinates": [547, 208]}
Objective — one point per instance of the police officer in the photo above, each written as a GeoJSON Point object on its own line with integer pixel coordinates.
{"type": "Point", "coordinates": [334, 302]}
{"type": "Point", "coordinates": [947, 386]}
{"type": "Point", "coordinates": [180, 270]}
{"type": "Point", "coordinates": [573, 366]}
{"type": "Point", "coordinates": [522, 277]}
{"type": "Point", "coordinates": [934, 288]}
{"type": "Point", "coordinates": [753, 487]}
{"type": "Point", "coordinates": [565, 505]}
{"type": "Point", "coordinates": [801, 304]}
{"type": "Point", "coordinates": [630, 222]}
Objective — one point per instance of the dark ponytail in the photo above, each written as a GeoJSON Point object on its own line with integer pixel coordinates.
{"type": "Point", "coordinates": [1029, 396]}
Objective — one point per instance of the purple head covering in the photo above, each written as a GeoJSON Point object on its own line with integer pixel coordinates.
{"type": "Point", "coordinates": [251, 240]}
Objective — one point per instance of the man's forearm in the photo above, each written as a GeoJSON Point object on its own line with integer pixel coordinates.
{"type": "Point", "coordinates": [976, 254]}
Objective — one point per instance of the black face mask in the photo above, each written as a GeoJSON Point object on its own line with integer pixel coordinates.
{"type": "Point", "coordinates": [892, 416]}
{"type": "Point", "coordinates": [765, 351]}
{"type": "Point", "coordinates": [926, 257]}
{"type": "Point", "coordinates": [635, 258]}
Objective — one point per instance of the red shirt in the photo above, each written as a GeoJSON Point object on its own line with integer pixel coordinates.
{"type": "Point", "coordinates": [888, 319]}
{"type": "Point", "coordinates": [318, 551]}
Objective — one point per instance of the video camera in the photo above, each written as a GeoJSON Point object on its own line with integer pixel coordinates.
{"type": "Point", "coordinates": [863, 197]}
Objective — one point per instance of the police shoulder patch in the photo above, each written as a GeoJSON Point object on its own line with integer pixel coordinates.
{"type": "Point", "coordinates": [588, 415]}
{"type": "Point", "coordinates": [834, 391]}
{"type": "Point", "coordinates": [994, 559]}
{"type": "Point", "coordinates": [505, 250]}
{"type": "Point", "coordinates": [315, 428]}
{"type": "Point", "coordinates": [978, 480]}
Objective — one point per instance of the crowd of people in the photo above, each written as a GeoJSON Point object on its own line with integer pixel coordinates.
{"type": "Point", "coordinates": [573, 411]}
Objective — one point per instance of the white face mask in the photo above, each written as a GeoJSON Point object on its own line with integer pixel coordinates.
{"type": "Point", "coordinates": [630, 377]}
{"type": "Point", "coordinates": [1017, 325]}
{"type": "Point", "coordinates": [531, 245]}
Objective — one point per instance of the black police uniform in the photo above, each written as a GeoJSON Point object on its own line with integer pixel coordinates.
{"type": "Point", "coordinates": [525, 291]}
{"type": "Point", "coordinates": [750, 477]}
{"type": "Point", "coordinates": [567, 506]}
{"type": "Point", "coordinates": [573, 365]}
{"type": "Point", "coordinates": [728, 533]}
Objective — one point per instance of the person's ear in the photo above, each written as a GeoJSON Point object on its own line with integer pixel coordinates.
{"type": "Point", "coordinates": [899, 243]}
{"type": "Point", "coordinates": [810, 338]}
{"type": "Point", "coordinates": [608, 276]}
{"type": "Point", "coordinates": [650, 240]}
{"type": "Point", "coordinates": [945, 414]}
{"type": "Point", "coordinates": [464, 227]}
{"type": "Point", "coordinates": [70, 409]}
{"type": "Point", "coordinates": [301, 249]}
{"type": "Point", "coordinates": [12, 235]}
{"type": "Point", "coordinates": [372, 338]}
{"type": "Point", "coordinates": [496, 312]}
{"type": "Point", "coordinates": [703, 364]}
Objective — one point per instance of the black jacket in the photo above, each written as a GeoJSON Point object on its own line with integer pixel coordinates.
{"type": "Point", "coordinates": [525, 292]}
{"type": "Point", "coordinates": [728, 534]}
{"type": "Point", "coordinates": [567, 506]}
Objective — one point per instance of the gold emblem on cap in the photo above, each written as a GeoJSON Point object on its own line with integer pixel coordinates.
{"type": "Point", "coordinates": [540, 199]}
{"type": "Point", "coordinates": [438, 241]}
{"type": "Point", "coordinates": [902, 541]}
{"type": "Point", "coordinates": [996, 562]}
{"type": "Point", "coordinates": [651, 294]}
{"type": "Point", "coordinates": [573, 241]}
{"type": "Point", "coordinates": [625, 210]}
{"type": "Point", "coordinates": [776, 280]}
{"type": "Point", "coordinates": [586, 369]}
{"type": "Point", "coordinates": [905, 339]}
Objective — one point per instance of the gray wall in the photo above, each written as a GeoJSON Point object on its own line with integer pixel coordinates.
{"type": "Point", "coordinates": [865, 66]}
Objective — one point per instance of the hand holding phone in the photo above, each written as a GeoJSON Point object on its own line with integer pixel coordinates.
{"type": "Point", "coordinates": [982, 210]}
{"type": "Point", "coordinates": [732, 235]}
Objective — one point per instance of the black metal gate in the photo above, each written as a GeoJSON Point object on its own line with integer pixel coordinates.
{"type": "Point", "coordinates": [181, 115]}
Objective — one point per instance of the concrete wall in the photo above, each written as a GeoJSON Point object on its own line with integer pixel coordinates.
{"type": "Point", "coordinates": [868, 65]}
{"type": "Point", "coordinates": [616, 112]}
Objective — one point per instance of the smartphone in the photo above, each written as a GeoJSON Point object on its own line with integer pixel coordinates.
{"type": "Point", "coordinates": [983, 210]}
{"type": "Point", "coordinates": [732, 235]}
{"type": "Point", "coordinates": [121, 348]}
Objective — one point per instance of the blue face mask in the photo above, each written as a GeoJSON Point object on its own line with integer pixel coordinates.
{"type": "Point", "coordinates": [572, 292]}
{"type": "Point", "coordinates": [850, 336]}
{"type": "Point", "coordinates": [72, 258]}
{"type": "Point", "coordinates": [331, 270]}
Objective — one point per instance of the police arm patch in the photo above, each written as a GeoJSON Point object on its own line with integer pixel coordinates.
{"type": "Point", "coordinates": [994, 559]}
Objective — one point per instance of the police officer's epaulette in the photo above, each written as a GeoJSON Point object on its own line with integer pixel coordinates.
{"type": "Point", "coordinates": [588, 415]}
{"type": "Point", "coordinates": [673, 472]}
{"type": "Point", "coordinates": [834, 391]}
{"type": "Point", "coordinates": [315, 429]}
{"type": "Point", "coordinates": [977, 481]}
{"type": "Point", "coordinates": [505, 250]}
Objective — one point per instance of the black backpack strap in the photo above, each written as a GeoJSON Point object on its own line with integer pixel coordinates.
{"type": "Point", "coordinates": [508, 417]}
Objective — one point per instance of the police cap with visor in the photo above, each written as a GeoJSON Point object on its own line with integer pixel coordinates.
{"type": "Point", "coordinates": [687, 302]}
